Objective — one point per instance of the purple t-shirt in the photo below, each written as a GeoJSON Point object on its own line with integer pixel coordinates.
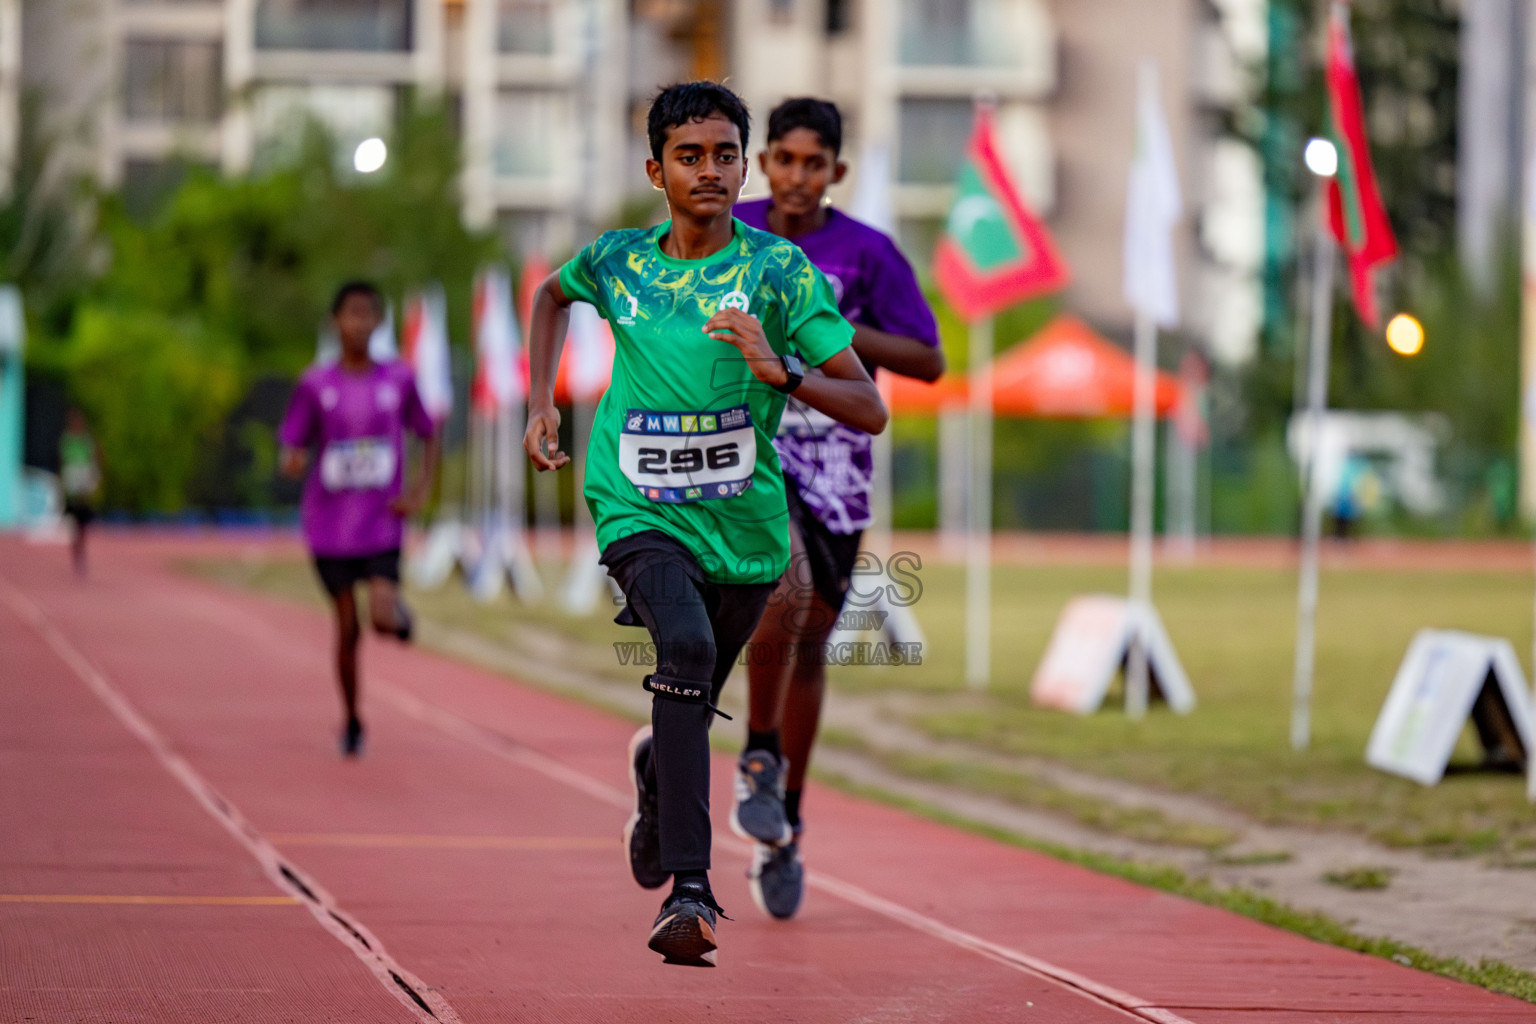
{"type": "Point", "coordinates": [832, 464]}
{"type": "Point", "coordinates": [356, 423]}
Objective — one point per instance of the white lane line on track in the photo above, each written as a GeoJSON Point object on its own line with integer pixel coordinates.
{"type": "Point", "coordinates": [512, 750]}
{"type": "Point", "coordinates": [290, 879]}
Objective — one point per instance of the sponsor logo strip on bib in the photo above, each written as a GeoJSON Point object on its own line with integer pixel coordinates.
{"type": "Point", "coordinates": [360, 464]}
{"type": "Point", "coordinates": [688, 456]}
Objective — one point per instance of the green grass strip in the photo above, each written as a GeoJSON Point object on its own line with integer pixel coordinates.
{"type": "Point", "coordinates": [1489, 974]}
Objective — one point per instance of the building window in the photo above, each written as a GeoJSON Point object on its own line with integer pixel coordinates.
{"type": "Point", "coordinates": [282, 114]}
{"type": "Point", "coordinates": [933, 135]}
{"type": "Point", "coordinates": [369, 25]}
{"type": "Point", "coordinates": [526, 26]}
{"type": "Point", "coordinates": [531, 129]}
{"type": "Point", "coordinates": [839, 16]}
{"type": "Point", "coordinates": [173, 81]}
{"type": "Point", "coordinates": [965, 33]}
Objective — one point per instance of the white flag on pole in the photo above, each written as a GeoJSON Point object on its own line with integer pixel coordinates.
{"type": "Point", "coordinates": [1153, 207]}
{"type": "Point", "coordinates": [426, 348]}
{"type": "Point", "coordinates": [498, 373]}
{"type": "Point", "coordinates": [873, 202]}
{"type": "Point", "coordinates": [591, 345]}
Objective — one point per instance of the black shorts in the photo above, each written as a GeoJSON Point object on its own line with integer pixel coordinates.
{"type": "Point", "coordinates": [339, 575]}
{"type": "Point", "coordinates": [829, 557]}
{"type": "Point", "coordinates": [82, 512]}
{"type": "Point", "coordinates": [637, 560]}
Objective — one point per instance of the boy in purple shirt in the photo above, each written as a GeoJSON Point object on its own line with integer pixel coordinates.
{"type": "Point", "coordinates": [827, 472]}
{"type": "Point", "coordinates": [354, 414]}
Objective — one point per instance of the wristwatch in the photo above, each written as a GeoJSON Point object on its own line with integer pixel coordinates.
{"type": "Point", "coordinates": [796, 370]}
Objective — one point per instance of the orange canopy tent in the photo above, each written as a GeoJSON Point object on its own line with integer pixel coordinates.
{"type": "Point", "coordinates": [1066, 371]}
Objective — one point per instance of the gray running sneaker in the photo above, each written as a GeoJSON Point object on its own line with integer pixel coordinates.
{"type": "Point", "coordinates": [684, 932]}
{"type": "Point", "coordinates": [777, 878]}
{"type": "Point", "coordinates": [758, 812]}
{"type": "Point", "coordinates": [642, 840]}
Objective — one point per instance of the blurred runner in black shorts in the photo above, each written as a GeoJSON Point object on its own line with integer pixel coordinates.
{"type": "Point", "coordinates": [828, 470]}
{"type": "Point", "coordinates": [80, 480]}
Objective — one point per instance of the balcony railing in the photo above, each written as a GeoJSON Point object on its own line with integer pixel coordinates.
{"type": "Point", "coordinates": [526, 26]}
{"type": "Point", "coordinates": [359, 25]}
{"type": "Point", "coordinates": [982, 34]}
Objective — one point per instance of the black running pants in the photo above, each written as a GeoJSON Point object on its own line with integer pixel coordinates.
{"type": "Point", "coordinates": [698, 628]}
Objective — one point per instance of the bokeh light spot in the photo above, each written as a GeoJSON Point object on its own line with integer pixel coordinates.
{"type": "Point", "coordinates": [1405, 335]}
{"type": "Point", "coordinates": [370, 155]}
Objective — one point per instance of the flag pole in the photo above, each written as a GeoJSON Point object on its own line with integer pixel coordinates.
{"type": "Point", "coordinates": [505, 466]}
{"type": "Point", "coordinates": [1143, 457]}
{"type": "Point", "coordinates": [1312, 507]}
{"type": "Point", "coordinates": [978, 573]}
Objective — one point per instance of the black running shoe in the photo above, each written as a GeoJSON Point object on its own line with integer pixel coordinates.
{"type": "Point", "coordinates": [684, 932]}
{"type": "Point", "coordinates": [642, 837]}
{"type": "Point", "coordinates": [352, 739]}
{"type": "Point", "coordinates": [777, 878]}
{"type": "Point", "coordinates": [405, 623]}
{"type": "Point", "coordinates": [759, 809]}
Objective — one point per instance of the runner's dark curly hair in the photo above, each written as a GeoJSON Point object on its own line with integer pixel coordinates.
{"type": "Point", "coordinates": [808, 112]}
{"type": "Point", "coordinates": [352, 288]}
{"type": "Point", "coordinates": [694, 101]}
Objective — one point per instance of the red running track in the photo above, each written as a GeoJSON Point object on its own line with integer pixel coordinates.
{"type": "Point", "coordinates": [182, 843]}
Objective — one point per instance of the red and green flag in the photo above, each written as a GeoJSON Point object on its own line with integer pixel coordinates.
{"type": "Point", "coordinates": [1355, 212]}
{"type": "Point", "coordinates": [994, 252]}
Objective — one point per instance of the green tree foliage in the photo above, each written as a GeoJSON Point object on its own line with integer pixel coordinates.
{"type": "Point", "coordinates": [154, 389]}
{"type": "Point", "coordinates": [1408, 59]}
{"type": "Point", "coordinates": [232, 278]}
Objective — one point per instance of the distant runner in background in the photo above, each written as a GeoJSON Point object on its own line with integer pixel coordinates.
{"type": "Point", "coordinates": [80, 479]}
{"type": "Point", "coordinates": [828, 471]}
{"type": "Point", "coordinates": [354, 415]}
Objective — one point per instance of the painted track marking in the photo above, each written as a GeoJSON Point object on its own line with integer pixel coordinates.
{"type": "Point", "coordinates": [390, 839]}
{"type": "Point", "coordinates": [510, 749]}
{"type": "Point", "coordinates": [411, 991]}
{"type": "Point", "coordinates": [151, 901]}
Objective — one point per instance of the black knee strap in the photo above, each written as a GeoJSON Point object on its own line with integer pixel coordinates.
{"type": "Point", "coordinates": [682, 691]}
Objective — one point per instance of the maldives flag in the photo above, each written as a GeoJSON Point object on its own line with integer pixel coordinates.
{"type": "Point", "coordinates": [1355, 213]}
{"type": "Point", "coordinates": [994, 251]}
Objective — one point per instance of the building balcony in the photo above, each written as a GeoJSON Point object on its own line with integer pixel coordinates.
{"type": "Point", "coordinates": [368, 26]}
{"type": "Point", "coordinates": [336, 66]}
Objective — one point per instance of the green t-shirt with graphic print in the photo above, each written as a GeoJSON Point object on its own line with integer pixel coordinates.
{"type": "Point", "coordinates": [683, 439]}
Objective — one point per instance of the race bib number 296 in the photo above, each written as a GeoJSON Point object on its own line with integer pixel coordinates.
{"type": "Point", "coordinates": [688, 456]}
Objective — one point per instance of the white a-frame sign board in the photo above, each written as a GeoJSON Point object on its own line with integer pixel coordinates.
{"type": "Point", "coordinates": [1446, 677]}
{"type": "Point", "coordinates": [1092, 639]}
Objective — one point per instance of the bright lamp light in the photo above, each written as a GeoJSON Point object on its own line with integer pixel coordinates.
{"type": "Point", "coordinates": [1405, 335]}
{"type": "Point", "coordinates": [370, 155]}
{"type": "Point", "coordinates": [1322, 158]}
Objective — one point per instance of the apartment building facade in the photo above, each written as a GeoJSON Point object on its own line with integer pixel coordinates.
{"type": "Point", "coordinates": [550, 97]}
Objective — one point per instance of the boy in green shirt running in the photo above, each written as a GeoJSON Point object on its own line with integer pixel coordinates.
{"type": "Point", "coordinates": [712, 320]}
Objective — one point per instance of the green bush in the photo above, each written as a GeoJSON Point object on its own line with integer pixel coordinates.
{"type": "Point", "coordinates": [155, 389]}
{"type": "Point", "coordinates": [227, 281]}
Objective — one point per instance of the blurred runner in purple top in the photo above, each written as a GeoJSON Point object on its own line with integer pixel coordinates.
{"type": "Point", "coordinates": [876, 290]}
{"type": "Point", "coordinates": [353, 415]}
{"type": "Point", "coordinates": [827, 474]}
